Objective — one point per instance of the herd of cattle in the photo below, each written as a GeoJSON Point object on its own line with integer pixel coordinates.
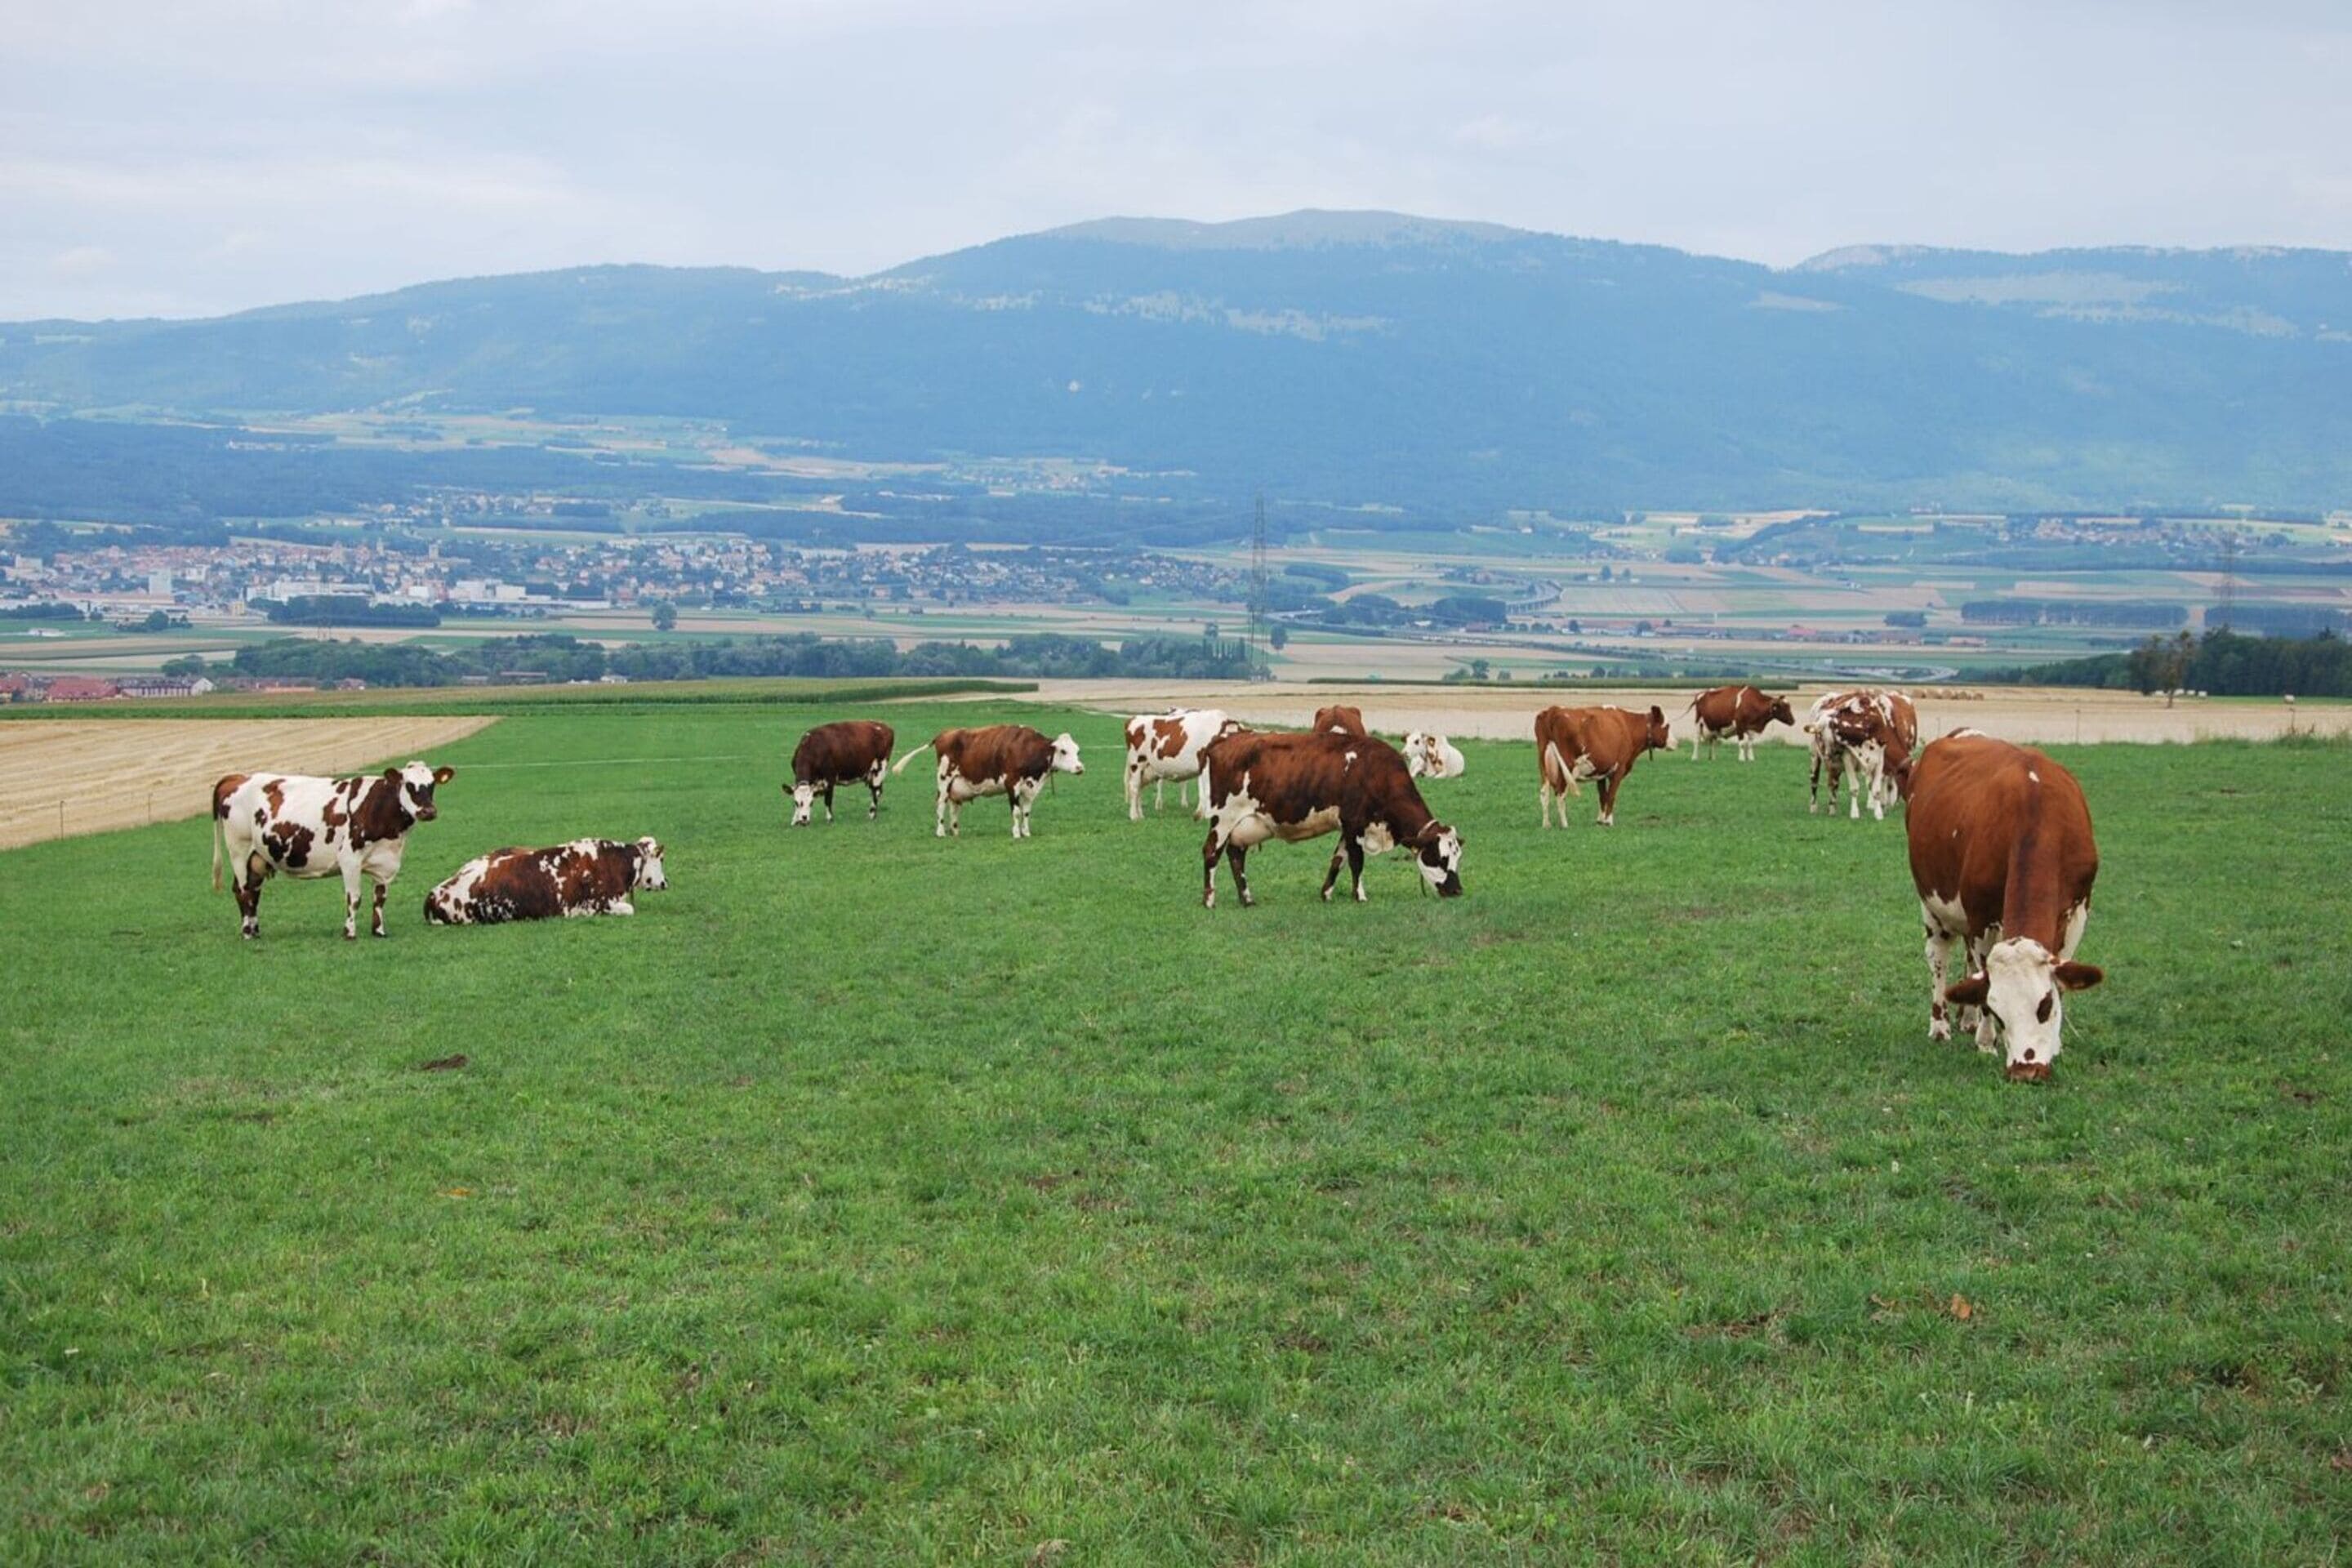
{"type": "Point", "coordinates": [2002, 850]}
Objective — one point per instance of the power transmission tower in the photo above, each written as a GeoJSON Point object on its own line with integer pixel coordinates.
{"type": "Point", "coordinates": [1257, 595]}
{"type": "Point", "coordinates": [2225, 597]}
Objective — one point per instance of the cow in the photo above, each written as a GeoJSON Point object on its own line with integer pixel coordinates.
{"type": "Point", "coordinates": [855, 750]}
{"type": "Point", "coordinates": [585, 877]}
{"type": "Point", "coordinates": [1009, 760]}
{"type": "Point", "coordinates": [1340, 720]}
{"type": "Point", "coordinates": [305, 827]}
{"type": "Point", "coordinates": [1741, 712]}
{"type": "Point", "coordinates": [1432, 756]}
{"type": "Point", "coordinates": [1163, 746]}
{"type": "Point", "coordinates": [2003, 860]}
{"type": "Point", "coordinates": [1573, 743]}
{"type": "Point", "coordinates": [1872, 731]}
{"type": "Point", "coordinates": [1296, 787]}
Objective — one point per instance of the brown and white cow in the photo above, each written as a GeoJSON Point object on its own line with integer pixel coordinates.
{"type": "Point", "coordinates": [1573, 743]}
{"type": "Point", "coordinates": [2002, 856]}
{"type": "Point", "coordinates": [1163, 746]}
{"type": "Point", "coordinates": [1340, 720]}
{"type": "Point", "coordinates": [1009, 760]}
{"type": "Point", "coordinates": [855, 750]}
{"type": "Point", "coordinates": [307, 827]}
{"type": "Point", "coordinates": [1741, 712]}
{"type": "Point", "coordinates": [1872, 732]}
{"type": "Point", "coordinates": [1296, 787]}
{"type": "Point", "coordinates": [1432, 756]}
{"type": "Point", "coordinates": [585, 877]}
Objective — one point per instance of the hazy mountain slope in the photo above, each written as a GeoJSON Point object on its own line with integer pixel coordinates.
{"type": "Point", "coordinates": [1367, 357]}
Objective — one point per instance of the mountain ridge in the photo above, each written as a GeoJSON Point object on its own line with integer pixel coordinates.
{"type": "Point", "coordinates": [1367, 357]}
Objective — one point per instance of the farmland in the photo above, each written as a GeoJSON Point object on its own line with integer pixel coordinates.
{"type": "Point", "coordinates": [868, 1197]}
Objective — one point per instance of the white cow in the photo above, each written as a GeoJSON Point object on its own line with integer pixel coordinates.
{"type": "Point", "coordinates": [307, 827]}
{"type": "Point", "coordinates": [1164, 746]}
{"type": "Point", "coordinates": [1432, 756]}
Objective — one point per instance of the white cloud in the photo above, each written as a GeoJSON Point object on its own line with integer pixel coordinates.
{"type": "Point", "coordinates": [232, 152]}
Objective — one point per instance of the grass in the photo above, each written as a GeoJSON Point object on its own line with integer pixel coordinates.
{"type": "Point", "coordinates": [873, 1198]}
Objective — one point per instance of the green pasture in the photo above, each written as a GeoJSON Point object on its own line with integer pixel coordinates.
{"type": "Point", "coordinates": [873, 1198]}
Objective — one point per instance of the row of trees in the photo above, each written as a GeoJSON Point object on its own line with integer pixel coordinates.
{"type": "Point", "coordinates": [560, 657]}
{"type": "Point", "coordinates": [2221, 662]}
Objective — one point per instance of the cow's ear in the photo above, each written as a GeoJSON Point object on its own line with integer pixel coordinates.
{"type": "Point", "coordinates": [443, 775]}
{"type": "Point", "coordinates": [1657, 714]}
{"type": "Point", "coordinates": [391, 776]}
{"type": "Point", "coordinates": [2075, 976]}
{"type": "Point", "coordinates": [1969, 993]}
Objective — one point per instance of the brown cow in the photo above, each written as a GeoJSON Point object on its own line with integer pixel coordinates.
{"type": "Point", "coordinates": [1573, 743]}
{"type": "Point", "coordinates": [1340, 720]}
{"type": "Point", "coordinates": [585, 877]}
{"type": "Point", "coordinates": [1296, 787]}
{"type": "Point", "coordinates": [1742, 712]}
{"type": "Point", "coordinates": [2003, 860]}
{"type": "Point", "coordinates": [1009, 760]}
{"type": "Point", "coordinates": [855, 750]}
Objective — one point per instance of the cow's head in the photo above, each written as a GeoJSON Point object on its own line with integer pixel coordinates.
{"type": "Point", "coordinates": [2020, 987]}
{"type": "Point", "coordinates": [1781, 713]}
{"type": "Point", "coordinates": [417, 784]}
{"type": "Point", "coordinates": [1065, 756]}
{"type": "Point", "coordinates": [1419, 758]}
{"type": "Point", "coordinates": [650, 874]}
{"type": "Point", "coordinates": [1656, 739]}
{"type": "Point", "coordinates": [1437, 852]}
{"type": "Point", "coordinates": [804, 798]}
{"type": "Point", "coordinates": [1897, 766]}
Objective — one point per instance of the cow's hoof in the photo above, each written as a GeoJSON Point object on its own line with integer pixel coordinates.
{"type": "Point", "coordinates": [1939, 1030]}
{"type": "Point", "coordinates": [351, 936]}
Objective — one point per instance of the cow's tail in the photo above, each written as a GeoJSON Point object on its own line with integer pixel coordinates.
{"type": "Point", "coordinates": [910, 756]}
{"type": "Point", "coordinates": [1552, 759]}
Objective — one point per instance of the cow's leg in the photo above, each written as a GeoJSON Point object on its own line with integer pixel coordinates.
{"type": "Point", "coordinates": [1210, 850]}
{"type": "Point", "coordinates": [1331, 873]}
{"type": "Point", "coordinates": [248, 899]}
{"type": "Point", "coordinates": [1356, 866]}
{"type": "Point", "coordinates": [828, 802]}
{"type": "Point", "coordinates": [1978, 1021]}
{"type": "Point", "coordinates": [1134, 790]}
{"type": "Point", "coordinates": [1160, 796]}
{"type": "Point", "coordinates": [1814, 794]}
{"type": "Point", "coordinates": [351, 901]}
{"type": "Point", "coordinates": [939, 812]}
{"type": "Point", "coordinates": [1238, 858]}
{"type": "Point", "coordinates": [874, 807]}
{"type": "Point", "coordinates": [1939, 968]}
{"type": "Point", "coordinates": [1609, 800]}
{"type": "Point", "coordinates": [1183, 794]}
{"type": "Point", "coordinates": [1543, 803]}
{"type": "Point", "coordinates": [376, 919]}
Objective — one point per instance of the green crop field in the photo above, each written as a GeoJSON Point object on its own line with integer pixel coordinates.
{"type": "Point", "coordinates": [873, 1198]}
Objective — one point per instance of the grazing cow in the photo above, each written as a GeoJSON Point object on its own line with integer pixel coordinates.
{"type": "Point", "coordinates": [2002, 856]}
{"type": "Point", "coordinates": [305, 827]}
{"type": "Point", "coordinates": [585, 877]}
{"type": "Point", "coordinates": [1432, 756]}
{"type": "Point", "coordinates": [856, 751]}
{"type": "Point", "coordinates": [1872, 731]}
{"type": "Point", "coordinates": [1340, 720]}
{"type": "Point", "coordinates": [1742, 712]}
{"type": "Point", "coordinates": [1296, 787]}
{"type": "Point", "coordinates": [1009, 760]}
{"type": "Point", "coordinates": [1163, 746]}
{"type": "Point", "coordinates": [1573, 743]}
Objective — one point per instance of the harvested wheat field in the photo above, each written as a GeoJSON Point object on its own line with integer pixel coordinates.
{"type": "Point", "coordinates": [73, 776]}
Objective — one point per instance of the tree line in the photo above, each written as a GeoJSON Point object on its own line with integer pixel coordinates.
{"type": "Point", "coordinates": [561, 657]}
{"type": "Point", "coordinates": [2221, 662]}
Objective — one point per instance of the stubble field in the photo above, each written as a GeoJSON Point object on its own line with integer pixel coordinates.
{"type": "Point", "coordinates": [868, 1197]}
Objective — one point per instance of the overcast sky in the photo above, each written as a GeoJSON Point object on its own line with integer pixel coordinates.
{"type": "Point", "coordinates": [181, 157]}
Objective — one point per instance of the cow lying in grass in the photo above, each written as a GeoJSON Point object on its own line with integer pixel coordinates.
{"type": "Point", "coordinates": [585, 877]}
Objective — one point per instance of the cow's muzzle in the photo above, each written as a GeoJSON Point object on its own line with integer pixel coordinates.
{"type": "Point", "coordinates": [2028, 1072]}
{"type": "Point", "coordinates": [427, 813]}
{"type": "Point", "coordinates": [1450, 889]}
